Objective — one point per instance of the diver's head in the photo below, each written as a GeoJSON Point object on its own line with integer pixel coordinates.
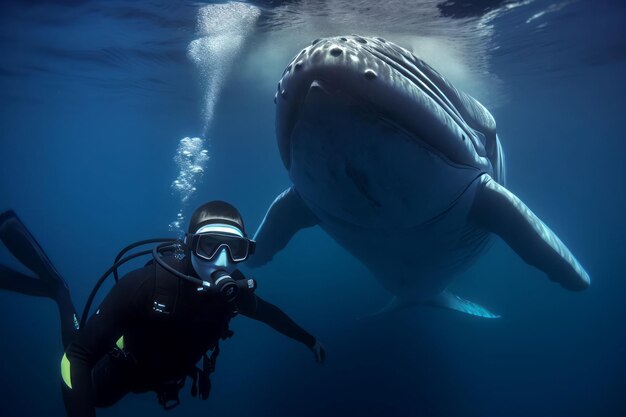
{"type": "Point", "coordinates": [217, 239]}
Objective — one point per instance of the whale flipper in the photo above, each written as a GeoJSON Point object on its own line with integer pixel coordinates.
{"type": "Point", "coordinates": [499, 211]}
{"type": "Point", "coordinates": [451, 301]}
{"type": "Point", "coordinates": [287, 214]}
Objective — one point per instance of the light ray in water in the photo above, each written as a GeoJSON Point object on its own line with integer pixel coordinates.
{"type": "Point", "coordinates": [223, 28]}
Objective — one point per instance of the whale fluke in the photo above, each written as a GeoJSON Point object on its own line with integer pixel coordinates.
{"type": "Point", "coordinates": [450, 301]}
{"type": "Point", "coordinates": [445, 300]}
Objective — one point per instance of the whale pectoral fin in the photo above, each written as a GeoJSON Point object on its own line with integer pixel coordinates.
{"type": "Point", "coordinates": [498, 210]}
{"type": "Point", "coordinates": [451, 301]}
{"type": "Point", "coordinates": [287, 214]}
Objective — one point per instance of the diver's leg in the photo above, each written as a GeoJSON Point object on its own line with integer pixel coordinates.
{"type": "Point", "coordinates": [68, 315]}
{"type": "Point", "coordinates": [23, 246]}
{"type": "Point", "coordinates": [112, 378]}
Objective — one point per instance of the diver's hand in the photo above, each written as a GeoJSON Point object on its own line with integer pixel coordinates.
{"type": "Point", "coordinates": [319, 352]}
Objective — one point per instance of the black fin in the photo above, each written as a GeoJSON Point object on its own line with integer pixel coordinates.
{"type": "Point", "coordinates": [12, 280]}
{"type": "Point", "coordinates": [24, 247]}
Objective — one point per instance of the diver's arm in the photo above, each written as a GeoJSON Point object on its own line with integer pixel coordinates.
{"type": "Point", "coordinates": [96, 339]}
{"type": "Point", "coordinates": [261, 310]}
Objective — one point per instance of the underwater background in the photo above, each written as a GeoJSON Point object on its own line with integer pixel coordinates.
{"type": "Point", "coordinates": [98, 95]}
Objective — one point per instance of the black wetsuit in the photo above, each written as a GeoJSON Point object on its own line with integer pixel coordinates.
{"type": "Point", "coordinates": [159, 347]}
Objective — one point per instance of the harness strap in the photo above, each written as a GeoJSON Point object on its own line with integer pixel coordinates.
{"type": "Point", "coordinates": [201, 378]}
{"type": "Point", "coordinates": [166, 290]}
{"type": "Point", "coordinates": [194, 384]}
{"type": "Point", "coordinates": [167, 395]}
{"type": "Point", "coordinates": [208, 367]}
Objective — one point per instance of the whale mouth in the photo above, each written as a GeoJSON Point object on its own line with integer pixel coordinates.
{"type": "Point", "coordinates": [321, 95]}
{"type": "Point", "coordinates": [349, 161]}
{"type": "Point", "coordinates": [325, 128]}
{"type": "Point", "coordinates": [316, 87]}
{"type": "Point", "coordinates": [293, 114]}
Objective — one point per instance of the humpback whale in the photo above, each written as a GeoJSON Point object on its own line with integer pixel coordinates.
{"type": "Point", "coordinates": [402, 169]}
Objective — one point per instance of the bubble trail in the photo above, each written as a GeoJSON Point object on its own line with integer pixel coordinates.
{"type": "Point", "coordinates": [223, 29]}
{"type": "Point", "coordinates": [191, 158]}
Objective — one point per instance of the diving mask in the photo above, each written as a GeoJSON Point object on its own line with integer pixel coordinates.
{"type": "Point", "coordinates": [208, 241]}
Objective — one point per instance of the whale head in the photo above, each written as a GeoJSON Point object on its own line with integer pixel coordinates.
{"type": "Point", "coordinates": [371, 135]}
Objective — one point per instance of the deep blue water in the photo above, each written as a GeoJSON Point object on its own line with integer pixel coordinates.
{"type": "Point", "coordinates": [97, 95]}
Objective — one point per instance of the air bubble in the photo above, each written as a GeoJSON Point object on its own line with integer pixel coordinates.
{"type": "Point", "coordinates": [190, 158]}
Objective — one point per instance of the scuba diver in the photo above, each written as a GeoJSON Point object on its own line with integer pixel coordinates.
{"type": "Point", "coordinates": [157, 322]}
